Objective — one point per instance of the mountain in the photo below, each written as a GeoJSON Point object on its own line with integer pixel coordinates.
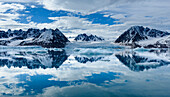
{"type": "Point", "coordinates": [45, 38]}
{"type": "Point", "coordinates": [85, 37]}
{"type": "Point", "coordinates": [136, 34]}
{"type": "Point", "coordinates": [48, 38]}
{"type": "Point", "coordinates": [20, 34]}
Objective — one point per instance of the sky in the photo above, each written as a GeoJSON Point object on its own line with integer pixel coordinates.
{"type": "Point", "coordinates": [106, 18]}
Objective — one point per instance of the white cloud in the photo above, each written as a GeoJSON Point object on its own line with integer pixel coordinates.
{"type": "Point", "coordinates": [80, 25]}
{"type": "Point", "coordinates": [33, 6]}
{"type": "Point", "coordinates": [13, 7]}
{"type": "Point", "coordinates": [153, 13]}
{"type": "Point", "coordinates": [8, 19]}
{"type": "Point", "coordinates": [22, 1]}
{"type": "Point", "coordinates": [29, 18]}
{"type": "Point", "coordinates": [84, 6]}
{"type": "Point", "coordinates": [135, 10]}
{"type": "Point", "coordinates": [105, 15]}
{"type": "Point", "coordinates": [118, 16]}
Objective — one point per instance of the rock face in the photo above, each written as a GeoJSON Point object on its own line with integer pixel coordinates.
{"type": "Point", "coordinates": [45, 38]}
{"type": "Point", "coordinates": [48, 38]}
{"type": "Point", "coordinates": [138, 33]}
{"type": "Point", "coordinates": [84, 37]}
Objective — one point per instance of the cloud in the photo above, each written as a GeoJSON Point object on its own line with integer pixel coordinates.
{"type": "Point", "coordinates": [83, 6]}
{"type": "Point", "coordinates": [153, 13]}
{"type": "Point", "coordinates": [21, 1]}
{"type": "Point", "coordinates": [13, 7]}
{"type": "Point", "coordinates": [130, 12]}
{"type": "Point", "coordinates": [74, 91]}
{"type": "Point", "coordinates": [9, 14]}
{"type": "Point", "coordinates": [78, 25]}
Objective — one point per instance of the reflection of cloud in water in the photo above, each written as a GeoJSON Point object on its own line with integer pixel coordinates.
{"type": "Point", "coordinates": [68, 74]}
{"type": "Point", "coordinates": [33, 83]}
{"type": "Point", "coordinates": [83, 90]}
{"type": "Point", "coordinates": [74, 78]}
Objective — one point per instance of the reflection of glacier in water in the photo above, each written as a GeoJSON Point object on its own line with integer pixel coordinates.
{"type": "Point", "coordinates": [84, 72]}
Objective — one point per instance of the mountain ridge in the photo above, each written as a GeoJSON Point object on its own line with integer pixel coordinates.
{"type": "Point", "coordinates": [136, 34]}
{"type": "Point", "coordinates": [44, 37]}
{"type": "Point", "coordinates": [85, 37]}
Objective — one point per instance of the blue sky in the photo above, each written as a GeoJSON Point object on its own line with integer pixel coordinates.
{"type": "Point", "coordinates": [110, 17]}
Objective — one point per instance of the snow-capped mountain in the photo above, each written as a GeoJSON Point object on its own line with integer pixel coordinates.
{"type": "Point", "coordinates": [44, 38]}
{"type": "Point", "coordinates": [20, 34]}
{"type": "Point", "coordinates": [85, 37]}
{"type": "Point", "coordinates": [162, 42]}
{"type": "Point", "coordinates": [48, 38]}
{"type": "Point", "coordinates": [136, 34]}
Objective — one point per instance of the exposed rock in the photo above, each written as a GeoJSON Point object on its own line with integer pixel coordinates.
{"type": "Point", "coordinates": [136, 34]}
{"type": "Point", "coordinates": [49, 38]}
{"type": "Point", "coordinates": [46, 38]}
{"type": "Point", "coordinates": [84, 37]}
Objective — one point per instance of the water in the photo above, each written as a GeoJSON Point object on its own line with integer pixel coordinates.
{"type": "Point", "coordinates": [84, 72]}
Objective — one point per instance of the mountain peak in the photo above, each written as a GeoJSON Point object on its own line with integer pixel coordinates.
{"type": "Point", "coordinates": [40, 37]}
{"type": "Point", "coordinates": [138, 33]}
{"type": "Point", "coordinates": [48, 38]}
{"type": "Point", "coordinates": [85, 37]}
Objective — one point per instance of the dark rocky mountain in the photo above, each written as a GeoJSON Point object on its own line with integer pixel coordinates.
{"type": "Point", "coordinates": [85, 37]}
{"type": "Point", "coordinates": [140, 63]}
{"type": "Point", "coordinates": [138, 33]}
{"type": "Point", "coordinates": [50, 59]}
{"type": "Point", "coordinates": [20, 33]}
{"type": "Point", "coordinates": [48, 38]}
{"type": "Point", "coordinates": [45, 38]}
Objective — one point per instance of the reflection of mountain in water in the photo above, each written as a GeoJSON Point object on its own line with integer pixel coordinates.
{"type": "Point", "coordinates": [86, 59]}
{"type": "Point", "coordinates": [32, 60]}
{"type": "Point", "coordinates": [140, 63]}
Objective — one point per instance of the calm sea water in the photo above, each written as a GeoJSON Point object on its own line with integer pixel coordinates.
{"type": "Point", "coordinates": [84, 72]}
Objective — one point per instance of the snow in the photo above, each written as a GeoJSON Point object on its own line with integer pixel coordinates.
{"type": "Point", "coordinates": [101, 44]}
{"type": "Point", "coordinates": [45, 36]}
{"type": "Point", "coordinates": [17, 42]}
{"type": "Point", "coordinates": [6, 38]}
{"type": "Point", "coordinates": [151, 40]}
{"type": "Point", "coordinates": [148, 63]}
